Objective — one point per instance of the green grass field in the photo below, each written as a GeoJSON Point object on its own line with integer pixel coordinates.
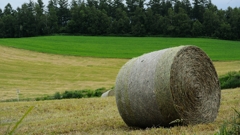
{"type": "Point", "coordinates": [122, 47]}
{"type": "Point", "coordinates": [37, 74]}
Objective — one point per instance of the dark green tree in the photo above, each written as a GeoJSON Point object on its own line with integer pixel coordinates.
{"type": "Point", "coordinates": [8, 22]}
{"type": "Point", "coordinates": [26, 18]}
{"type": "Point", "coordinates": [8, 9]}
{"type": "Point", "coordinates": [138, 22]}
{"type": "Point", "coordinates": [52, 18]}
{"type": "Point", "coordinates": [169, 23]}
{"type": "Point", "coordinates": [177, 5]}
{"type": "Point", "coordinates": [198, 10]}
{"type": "Point", "coordinates": [40, 18]}
{"type": "Point", "coordinates": [150, 22]}
{"type": "Point", "coordinates": [132, 6]}
{"type": "Point", "coordinates": [155, 6]}
{"type": "Point", "coordinates": [31, 21]}
{"type": "Point", "coordinates": [1, 13]}
{"type": "Point", "coordinates": [182, 23]}
{"type": "Point", "coordinates": [118, 4]}
{"type": "Point", "coordinates": [186, 5]}
{"type": "Point", "coordinates": [63, 14]}
{"type": "Point", "coordinates": [166, 6]}
{"type": "Point", "coordinates": [224, 31]}
{"type": "Point", "coordinates": [74, 23]}
{"type": "Point", "coordinates": [210, 23]}
{"type": "Point", "coordinates": [104, 23]}
{"type": "Point", "coordinates": [2, 32]}
{"type": "Point", "coordinates": [197, 29]}
{"type": "Point", "coordinates": [83, 19]}
{"type": "Point", "coordinates": [120, 25]}
{"type": "Point", "coordinates": [104, 5]}
{"type": "Point", "coordinates": [233, 18]}
{"type": "Point", "coordinates": [1, 24]}
{"type": "Point", "coordinates": [91, 20]}
{"type": "Point", "coordinates": [92, 3]}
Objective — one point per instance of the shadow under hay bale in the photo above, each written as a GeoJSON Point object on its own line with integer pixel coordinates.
{"type": "Point", "coordinates": [161, 87]}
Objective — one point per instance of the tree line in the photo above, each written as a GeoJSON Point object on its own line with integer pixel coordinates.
{"type": "Point", "coordinates": [180, 18]}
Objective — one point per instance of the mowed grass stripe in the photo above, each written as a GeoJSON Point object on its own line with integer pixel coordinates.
{"type": "Point", "coordinates": [122, 47]}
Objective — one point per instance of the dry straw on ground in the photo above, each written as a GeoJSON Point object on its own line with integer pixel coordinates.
{"type": "Point", "coordinates": [168, 86]}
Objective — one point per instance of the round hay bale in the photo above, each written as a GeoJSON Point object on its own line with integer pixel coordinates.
{"type": "Point", "coordinates": [108, 93]}
{"type": "Point", "coordinates": [105, 94]}
{"type": "Point", "coordinates": [111, 93]}
{"type": "Point", "coordinates": [162, 87]}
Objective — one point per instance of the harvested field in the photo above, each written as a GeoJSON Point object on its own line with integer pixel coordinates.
{"type": "Point", "coordinates": [98, 116]}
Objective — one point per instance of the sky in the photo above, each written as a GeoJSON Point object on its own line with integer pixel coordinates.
{"type": "Point", "coordinates": [221, 4]}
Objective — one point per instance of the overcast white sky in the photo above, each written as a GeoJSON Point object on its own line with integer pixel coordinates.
{"type": "Point", "coordinates": [221, 4]}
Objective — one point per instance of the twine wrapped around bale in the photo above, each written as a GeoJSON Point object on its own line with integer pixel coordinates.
{"type": "Point", "coordinates": [164, 86]}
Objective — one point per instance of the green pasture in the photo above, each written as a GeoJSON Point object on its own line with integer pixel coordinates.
{"type": "Point", "coordinates": [122, 47]}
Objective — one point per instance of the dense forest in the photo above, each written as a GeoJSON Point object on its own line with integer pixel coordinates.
{"type": "Point", "coordinates": [179, 18]}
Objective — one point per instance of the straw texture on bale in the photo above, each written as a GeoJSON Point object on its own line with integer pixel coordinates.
{"type": "Point", "coordinates": [160, 87]}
